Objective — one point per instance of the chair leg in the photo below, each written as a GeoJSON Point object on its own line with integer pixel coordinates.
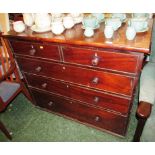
{"type": "Point", "coordinates": [26, 93]}
{"type": "Point", "coordinates": [5, 131]}
{"type": "Point", "coordinates": [139, 129]}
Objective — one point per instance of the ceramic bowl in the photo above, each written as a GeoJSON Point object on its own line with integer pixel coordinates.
{"type": "Point", "coordinates": [19, 26]}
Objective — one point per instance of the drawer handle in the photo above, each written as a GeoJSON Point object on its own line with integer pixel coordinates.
{"type": "Point", "coordinates": [95, 61]}
{"type": "Point", "coordinates": [96, 99]}
{"type": "Point", "coordinates": [50, 103]}
{"type": "Point", "coordinates": [44, 85]}
{"type": "Point", "coordinates": [41, 47]}
{"type": "Point", "coordinates": [38, 69]}
{"type": "Point", "coordinates": [95, 80]}
{"type": "Point", "coordinates": [32, 51]}
{"type": "Point", "coordinates": [97, 119]}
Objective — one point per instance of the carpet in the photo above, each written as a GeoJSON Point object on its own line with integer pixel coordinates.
{"type": "Point", "coordinates": [30, 124]}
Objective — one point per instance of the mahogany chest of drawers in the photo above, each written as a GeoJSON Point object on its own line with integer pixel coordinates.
{"type": "Point", "coordinates": [90, 82]}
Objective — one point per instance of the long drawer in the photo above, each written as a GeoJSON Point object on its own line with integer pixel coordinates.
{"type": "Point", "coordinates": [40, 50]}
{"type": "Point", "coordinates": [95, 98]}
{"type": "Point", "coordinates": [106, 81]}
{"type": "Point", "coordinates": [81, 112]}
{"type": "Point", "coordinates": [103, 59]}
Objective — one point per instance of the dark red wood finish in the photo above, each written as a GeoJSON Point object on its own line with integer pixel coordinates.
{"type": "Point", "coordinates": [116, 61]}
{"type": "Point", "coordinates": [81, 112]}
{"type": "Point", "coordinates": [143, 112]}
{"type": "Point", "coordinates": [91, 78]}
{"type": "Point", "coordinates": [89, 96]}
{"type": "Point", "coordinates": [38, 50]}
{"type": "Point", "coordinates": [140, 44]}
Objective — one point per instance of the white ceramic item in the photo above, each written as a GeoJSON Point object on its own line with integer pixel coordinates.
{"type": "Point", "coordinates": [130, 33]}
{"type": "Point", "coordinates": [38, 30]}
{"type": "Point", "coordinates": [99, 16]}
{"type": "Point", "coordinates": [108, 32]}
{"type": "Point", "coordinates": [74, 15]}
{"type": "Point", "coordinates": [68, 22]}
{"type": "Point", "coordinates": [57, 15]}
{"type": "Point", "coordinates": [28, 19]}
{"type": "Point", "coordinates": [115, 23]}
{"type": "Point", "coordinates": [57, 27]}
{"type": "Point", "coordinates": [140, 15]}
{"type": "Point", "coordinates": [138, 23]}
{"type": "Point", "coordinates": [90, 21]}
{"type": "Point", "coordinates": [56, 19]}
{"type": "Point", "coordinates": [78, 20]}
{"type": "Point", "coordinates": [42, 20]}
{"type": "Point", "coordinates": [121, 16]}
{"type": "Point", "coordinates": [19, 26]}
{"type": "Point", "coordinates": [89, 32]}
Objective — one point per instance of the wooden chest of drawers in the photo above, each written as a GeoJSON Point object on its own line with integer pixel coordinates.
{"type": "Point", "coordinates": [86, 82]}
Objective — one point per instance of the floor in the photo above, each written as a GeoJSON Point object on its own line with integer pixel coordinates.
{"type": "Point", "coordinates": [30, 124]}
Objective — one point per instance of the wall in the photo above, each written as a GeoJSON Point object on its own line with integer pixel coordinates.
{"type": "Point", "coordinates": [4, 22]}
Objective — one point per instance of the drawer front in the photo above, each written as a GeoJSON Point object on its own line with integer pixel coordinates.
{"type": "Point", "coordinates": [39, 50]}
{"type": "Point", "coordinates": [83, 113]}
{"type": "Point", "coordinates": [111, 82]}
{"type": "Point", "coordinates": [102, 59]}
{"type": "Point", "coordinates": [89, 96]}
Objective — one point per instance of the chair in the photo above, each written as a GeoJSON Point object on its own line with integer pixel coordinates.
{"type": "Point", "coordinates": [145, 130]}
{"type": "Point", "coordinates": [10, 82]}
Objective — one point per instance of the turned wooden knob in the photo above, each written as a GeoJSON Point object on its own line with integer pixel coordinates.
{"type": "Point", "coordinates": [95, 61]}
{"type": "Point", "coordinates": [95, 80]}
{"type": "Point", "coordinates": [44, 85]}
{"type": "Point", "coordinates": [32, 51]}
{"type": "Point", "coordinates": [96, 99]}
{"type": "Point", "coordinates": [38, 69]}
{"type": "Point", "coordinates": [50, 103]}
{"type": "Point", "coordinates": [97, 119]}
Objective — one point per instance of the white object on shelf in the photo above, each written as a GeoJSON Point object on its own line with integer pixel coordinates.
{"type": "Point", "coordinates": [57, 27]}
{"type": "Point", "coordinates": [130, 33]}
{"type": "Point", "coordinates": [38, 30]}
{"type": "Point", "coordinates": [42, 20]}
{"type": "Point", "coordinates": [28, 19]}
{"type": "Point", "coordinates": [114, 22]}
{"type": "Point", "coordinates": [19, 26]}
{"type": "Point", "coordinates": [89, 32]}
{"type": "Point", "coordinates": [108, 31]}
{"type": "Point", "coordinates": [68, 22]}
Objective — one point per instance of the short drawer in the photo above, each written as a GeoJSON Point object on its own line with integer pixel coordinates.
{"type": "Point", "coordinates": [81, 112]}
{"type": "Point", "coordinates": [106, 81]}
{"type": "Point", "coordinates": [102, 59]}
{"type": "Point", "coordinates": [95, 98]}
{"type": "Point", "coordinates": [40, 50]}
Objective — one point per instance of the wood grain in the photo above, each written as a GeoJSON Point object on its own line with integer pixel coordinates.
{"type": "Point", "coordinates": [91, 80]}
{"type": "Point", "coordinates": [98, 99]}
{"type": "Point", "coordinates": [105, 81]}
{"type": "Point", "coordinates": [35, 49]}
{"type": "Point", "coordinates": [81, 112]}
{"type": "Point", "coordinates": [75, 36]}
{"type": "Point", "coordinates": [106, 59]}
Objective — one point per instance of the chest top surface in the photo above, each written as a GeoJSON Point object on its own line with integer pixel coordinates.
{"type": "Point", "coordinates": [75, 36]}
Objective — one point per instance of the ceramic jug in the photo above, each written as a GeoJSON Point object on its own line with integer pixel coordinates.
{"type": "Point", "coordinates": [28, 19]}
{"type": "Point", "coordinates": [130, 33]}
{"type": "Point", "coordinates": [68, 22]}
{"type": "Point", "coordinates": [57, 27]}
{"type": "Point", "coordinates": [108, 32]}
{"type": "Point", "coordinates": [42, 20]}
{"type": "Point", "coordinates": [89, 32]}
